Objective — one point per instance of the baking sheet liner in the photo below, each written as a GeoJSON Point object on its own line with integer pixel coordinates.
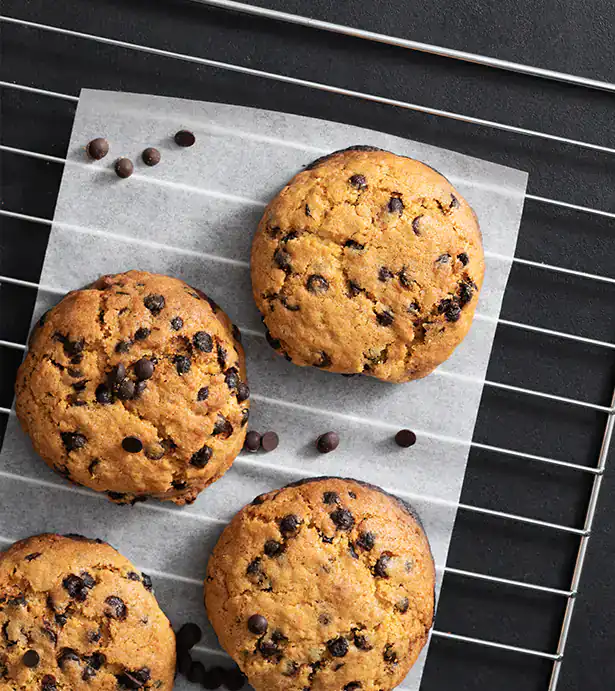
{"type": "Point", "coordinates": [193, 216]}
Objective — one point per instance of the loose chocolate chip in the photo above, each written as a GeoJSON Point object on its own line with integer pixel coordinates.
{"type": "Point", "coordinates": [382, 564]}
{"type": "Point", "coordinates": [203, 393]}
{"type": "Point", "coordinates": [33, 556]}
{"type": "Point", "coordinates": [384, 274]}
{"type": "Point", "coordinates": [415, 225]}
{"type": "Point", "coordinates": [402, 605]}
{"type": "Point", "coordinates": [366, 541]}
{"type": "Point", "coordinates": [98, 148]}
{"type": "Point", "coordinates": [182, 364]}
{"type": "Point", "coordinates": [243, 392]}
{"type": "Point", "coordinates": [184, 138]}
{"type": "Point", "coordinates": [136, 679]}
{"type": "Point", "coordinates": [317, 284]}
{"type": "Point", "coordinates": [389, 654]}
{"type": "Point", "coordinates": [454, 202]}
{"type": "Point", "coordinates": [123, 346]}
{"type": "Point", "coordinates": [338, 647]}
{"type": "Point", "coordinates": [273, 548]}
{"type": "Point", "coordinates": [385, 318]}
{"type": "Point", "coordinates": [222, 427]}
{"type": "Point", "coordinates": [245, 415]}
{"type": "Point", "coordinates": [221, 352]}
{"type": "Point", "coordinates": [353, 289]}
{"type": "Point", "coordinates": [31, 658]}
{"type": "Point", "coordinates": [151, 156]}
{"type": "Point", "coordinates": [325, 360]}
{"type": "Point", "coordinates": [413, 308]}
{"type": "Point", "coordinates": [327, 442]}
{"type": "Point", "coordinates": [282, 260]}
{"type": "Point", "coordinates": [405, 438]}
{"type": "Point", "coordinates": [67, 655]}
{"type": "Point", "coordinates": [443, 258]}
{"type": "Point", "coordinates": [359, 181]}
{"type": "Point", "coordinates": [203, 341]}
{"type": "Point", "coordinates": [126, 390]}
{"type": "Point", "coordinates": [289, 525]}
{"type": "Point", "coordinates": [201, 457]}
{"type": "Point", "coordinates": [257, 624]}
{"type": "Point", "coordinates": [144, 369]}
{"type": "Point", "coordinates": [231, 377]}
{"type": "Point", "coordinates": [330, 497]}
{"type": "Point", "coordinates": [132, 444]}
{"type": "Point", "coordinates": [463, 258]}
{"type": "Point", "coordinates": [116, 375]}
{"type": "Point", "coordinates": [73, 441]}
{"type": "Point", "coordinates": [154, 303]}
{"type": "Point", "coordinates": [466, 291]}
{"type": "Point", "coordinates": [252, 442]}
{"type": "Point", "coordinates": [142, 333]}
{"type": "Point", "coordinates": [269, 441]}
{"type": "Point", "coordinates": [188, 636]}
{"type": "Point", "coordinates": [395, 205]}
{"type": "Point", "coordinates": [343, 519]}
{"type": "Point", "coordinates": [116, 609]}
{"type": "Point", "coordinates": [450, 308]}
{"type": "Point", "coordinates": [124, 167]}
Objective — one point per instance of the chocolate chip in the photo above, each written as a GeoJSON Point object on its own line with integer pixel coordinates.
{"type": "Point", "coordinates": [454, 202]}
{"type": "Point", "coordinates": [389, 654]}
{"type": "Point", "coordinates": [203, 393]}
{"type": "Point", "coordinates": [324, 361]}
{"type": "Point", "coordinates": [330, 497]}
{"type": "Point", "coordinates": [463, 258]}
{"type": "Point", "coordinates": [236, 333]}
{"type": "Point", "coordinates": [154, 303]}
{"type": "Point", "coordinates": [273, 342]}
{"type": "Point", "coordinates": [385, 318]}
{"type": "Point", "coordinates": [317, 284]}
{"type": "Point", "coordinates": [48, 683]}
{"type": "Point", "coordinates": [201, 457]}
{"type": "Point", "coordinates": [184, 138]}
{"type": "Point", "coordinates": [221, 353]}
{"type": "Point", "coordinates": [415, 225]}
{"type": "Point", "coordinates": [116, 375]}
{"type": "Point", "coordinates": [413, 308]}
{"type": "Point", "coordinates": [126, 390]}
{"type": "Point", "coordinates": [136, 679]}
{"type": "Point", "coordinates": [450, 308]}
{"type": "Point", "coordinates": [140, 387]}
{"type": "Point", "coordinates": [404, 278]}
{"type": "Point", "coordinates": [116, 609]}
{"type": "Point", "coordinates": [466, 291]}
{"type": "Point", "coordinates": [353, 551]}
{"type": "Point", "coordinates": [123, 346]}
{"type": "Point", "coordinates": [142, 333]}
{"type": "Point", "coordinates": [384, 274]}
{"type": "Point", "coordinates": [282, 260]}
{"type": "Point", "coordinates": [222, 427]}
{"type": "Point", "coordinates": [366, 541]}
{"type": "Point", "coordinates": [33, 556]}
{"type": "Point", "coordinates": [327, 442]}
{"type": "Point", "coordinates": [353, 686]}
{"type": "Point", "coordinates": [132, 444]}
{"type": "Point", "coordinates": [75, 373]}
{"type": "Point", "coordinates": [338, 647]}
{"type": "Point", "coordinates": [269, 441]}
{"type": "Point", "coordinates": [60, 619]}
{"type": "Point", "coordinates": [273, 548]}
{"type": "Point", "coordinates": [405, 438]}
{"type": "Point", "coordinates": [182, 364]}
{"type": "Point", "coordinates": [402, 605]}
{"type": "Point", "coordinates": [362, 642]}
{"type": "Point", "coordinates": [98, 148]}
{"type": "Point", "coordinates": [359, 181]}
{"type": "Point", "coordinates": [245, 415]}
{"type": "Point", "coordinates": [257, 624]}
{"type": "Point", "coordinates": [31, 658]}
{"type": "Point", "coordinates": [286, 305]}
{"type": "Point", "coordinates": [267, 648]}
{"type": "Point", "coordinates": [293, 235]}
{"type": "Point", "coordinates": [188, 636]}
{"type": "Point", "coordinates": [151, 156]}
{"type": "Point", "coordinates": [231, 377]}
{"type": "Point", "coordinates": [395, 205]}
{"type": "Point", "coordinates": [124, 167]}
{"type": "Point", "coordinates": [443, 258]}
{"type": "Point", "coordinates": [177, 323]}
{"type": "Point", "coordinates": [67, 655]}
{"type": "Point", "coordinates": [93, 663]}
{"type": "Point", "coordinates": [144, 369]}
{"type": "Point", "coordinates": [202, 341]}
{"type": "Point", "coordinates": [243, 392]}
{"type": "Point", "coordinates": [343, 519]}
{"type": "Point", "coordinates": [252, 442]}
{"type": "Point", "coordinates": [73, 441]}
{"type": "Point", "coordinates": [354, 245]}
{"type": "Point", "coordinates": [382, 564]}
{"type": "Point", "coordinates": [88, 580]}
{"type": "Point", "coordinates": [353, 289]}
{"type": "Point", "coordinates": [51, 634]}
{"type": "Point", "coordinates": [147, 582]}
{"type": "Point", "coordinates": [289, 525]}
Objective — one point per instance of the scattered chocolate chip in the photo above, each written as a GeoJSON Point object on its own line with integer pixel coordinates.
{"type": "Point", "coordinates": [67, 655]}
{"type": "Point", "coordinates": [245, 415]}
{"type": "Point", "coordinates": [404, 278]}
{"type": "Point", "coordinates": [395, 205]}
{"type": "Point", "coordinates": [282, 260]}
{"type": "Point", "coordinates": [267, 648]}
{"type": "Point", "coordinates": [269, 441]}
{"type": "Point", "coordinates": [136, 679]}
{"type": "Point", "coordinates": [88, 580]}
{"type": "Point", "coordinates": [450, 308]}
{"type": "Point", "coordinates": [330, 497]}
{"type": "Point", "coordinates": [389, 654]}
{"type": "Point", "coordinates": [203, 341]}
{"type": "Point", "coordinates": [124, 167]}
{"type": "Point", "coordinates": [177, 323]}
{"type": "Point", "coordinates": [252, 442]}
{"type": "Point", "coordinates": [454, 202]}
{"type": "Point", "coordinates": [94, 662]}
{"type": "Point", "coordinates": [243, 392]}
{"type": "Point", "coordinates": [384, 274]}
{"type": "Point", "coordinates": [222, 427]}
{"type": "Point", "coordinates": [415, 225]}
{"type": "Point", "coordinates": [151, 156]}
{"type": "Point", "coordinates": [361, 641]}
{"type": "Point", "coordinates": [75, 373]}
{"type": "Point", "coordinates": [98, 148]}
{"type": "Point", "coordinates": [73, 441]}
{"type": "Point", "coordinates": [353, 686]}
{"type": "Point", "coordinates": [188, 636]}
{"type": "Point", "coordinates": [126, 390]}
{"type": "Point", "coordinates": [385, 318]}
{"type": "Point", "coordinates": [338, 647]}
{"type": "Point", "coordinates": [201, 457]}
{"type": "Point", "coordinates": [273, 548]}
{"type": "Point", "coordinates": [317, 284]}
{"type": "Point", "coordinates": [289, 525]}
{"type": "Point", "coordinates": [221, 354]}
{"type": "Point", "coordinates": [325, 360]}
{"type": "Point", "coordinates": [463, 258]}
{"type": "Point", "coordinates": [132, 444]}
{"type": "Point", "coordinates": [60, 619]}
{"type": "Point", "coordinates": [443, 258]}
{"type": "Point", "coordinates": [116, 375]}
{"type": "Point", "coordinates": [184, 138]}
{"type": "Point", "coordinates": [359, 181]}
{"type": "Point", "coordinates": [140, 387]}
{"type": "Point", "coordinates": [402, 605]}
{"type": "Point", "coordinates": [144, 369]}
{"type": "Point", "coordinates": [405, 438]}
{"type": "Point", "coordinates": [123, 346]}
{"type": "Point", "coordinates": [203, 393]}
{"type": "Point", "coordinates": [182, 364]}
{"type": "Point", "coordinates": [257, 624]}
{"type": "Point", "coordinates": [366, 541]}
{"type": "Point", "coordinates": [142, 333]}
{"type": "Point", "coordinates": [352, 551]}
{"type": "Point", "coordinates": [327, 442]}
{"type": "Point", "coordinates": [352, 495]}
{"type": "Point", "coordinates": [354, 245]}
{"type": "Point", "coordinates": [381, 565]}
{"type": "Point", "coordinates": [293, 235]}
{"type": "Point", "coordinates": [413, 308]}
{"type": "Point", "coordinates": [116, 609]}
{"type": "Point", "coordinates": [343, 519]}
{"type": "Point", "coordinates": [231, 377]}
{"type": "Point", "coordinates": [154, 303]}
{"type": "Point", "coordinates": [31, 658]}
{"type": "Point", "coordinates": [33, 556]}
{"type": "Point", "coordinates": [353, 289]}
{"type": "Point", "coordinates": [466, 291]}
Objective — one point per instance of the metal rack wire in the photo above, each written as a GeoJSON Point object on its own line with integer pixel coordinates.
{"type": "Point", "coordinates": [594, 471]}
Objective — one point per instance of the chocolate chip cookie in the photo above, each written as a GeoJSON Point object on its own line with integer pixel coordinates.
{"type": "Point", "coordinates": [76, 614]}
{"type": "Point", "coordinates": [136, 386]}
{"type": "Point", "coordinates": [368, 262]}
{"type": "Point", "coordinates": [325, 584]}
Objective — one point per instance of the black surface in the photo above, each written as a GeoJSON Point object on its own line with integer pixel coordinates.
{"type": "Point", "coordinates": [574, 36]}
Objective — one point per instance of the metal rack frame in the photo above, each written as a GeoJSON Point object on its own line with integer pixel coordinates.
{"type": "Point", "coordinates": [597, 470]}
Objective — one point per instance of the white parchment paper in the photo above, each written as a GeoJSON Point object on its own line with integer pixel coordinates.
{"type": "Point", "coordinates": [193, 217]}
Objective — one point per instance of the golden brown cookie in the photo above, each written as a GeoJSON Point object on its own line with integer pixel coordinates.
{"type": "Point", "coordinates": [76, 614]}
{"type": "Point", "coordinates": [136, 386]}
{"type": "Point", "coordinates": [325, 584]}
{"type": "Point", "coordinates": [368, 262]}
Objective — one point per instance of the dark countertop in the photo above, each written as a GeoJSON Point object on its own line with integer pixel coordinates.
{"type": "Point", "coordinates": [574, 36]}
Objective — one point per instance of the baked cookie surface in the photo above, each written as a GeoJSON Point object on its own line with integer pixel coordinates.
{"type": "Point", "coordinates": [135, 386]}
{"type": "Point", "coordinates": [76, 614]}
{"type": "Point", "coordinates": [324, 584]}
{"type": "Point", "coordinates": [368, 262]}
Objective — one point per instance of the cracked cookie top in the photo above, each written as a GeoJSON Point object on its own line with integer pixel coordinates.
{"type": "Point", "coordinates": [76, 614]}
{"type": "Point", "coordinates": [135, 386]}
{"type": "Point", "coordinates": [324, 584]}
{"type": "Point", "coordinates": [368, 262]}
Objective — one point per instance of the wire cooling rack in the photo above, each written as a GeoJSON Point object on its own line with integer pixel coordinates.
{"type": "Point", "coordinates": [592, 471]}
